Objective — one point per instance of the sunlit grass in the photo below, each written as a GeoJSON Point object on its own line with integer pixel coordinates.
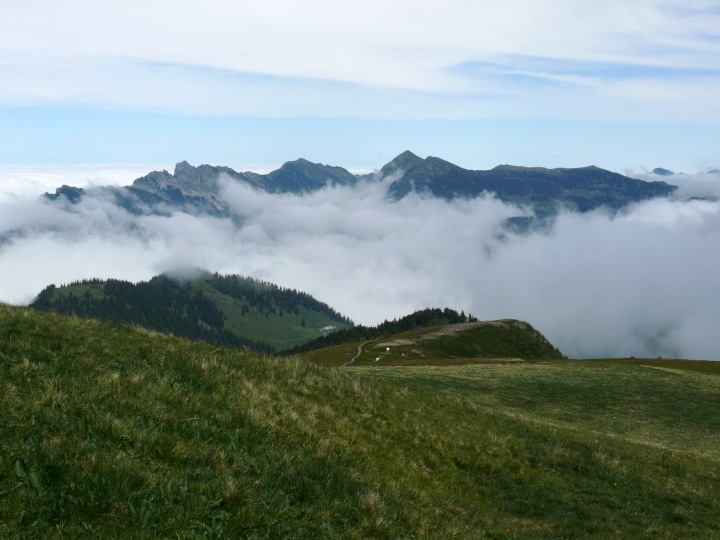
{"type": "Point", "coordinates": [107, 431]}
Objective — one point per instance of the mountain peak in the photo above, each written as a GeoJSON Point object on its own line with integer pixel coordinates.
{"type": "Point", "coordinates": [407, 161]}
{"type": "Point", "coordinates": [407, 154]}
{"type": "Point", "coordinates": [300, 163]}
{"type": "Point", "coordinates": [301, 176]}
{"type": "Point", "coordinates": [662, 172]}
{"type": "Point", "coordinates": [183, 167]}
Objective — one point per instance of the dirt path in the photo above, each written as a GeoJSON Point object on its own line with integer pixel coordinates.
{"type": "Point", "coordinates": [357, 354]}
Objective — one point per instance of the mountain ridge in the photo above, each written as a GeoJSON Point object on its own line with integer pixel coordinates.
{"type": "Point", "coordinates": [196, 189]}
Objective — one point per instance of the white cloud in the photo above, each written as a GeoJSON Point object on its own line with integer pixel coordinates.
{"type": "Point", "coordinates": [24, 181]}
{"type": "Point", "coordinates": [280, 58]}
{"type": "Point", "coordinates": [706, 184]}
{"type": "Point", "coordinates": [642, 282]}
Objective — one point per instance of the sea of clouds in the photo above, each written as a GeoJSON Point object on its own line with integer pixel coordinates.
{"type": "Point", "coordinates": [642, 282]}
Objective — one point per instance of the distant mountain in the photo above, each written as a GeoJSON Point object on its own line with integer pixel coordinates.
{"type": "Point", "coordinates": [547, 190]}
{"type": "Point", "coordinates": [197, 186]}
{"type": "Point", "coordinates": [662, 172]}
{"type": "Point", "coordinates": [232, 311]}
{"type": "Point", "coordinates": [430, 336]}
{"type": "Point", "coordinates": [71, 194]}
{"type": "Point", "coordinates": [404, 164]}
{"type": "Point", "coordinates": [195, 189]}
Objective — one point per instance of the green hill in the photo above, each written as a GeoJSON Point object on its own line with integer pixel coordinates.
{"type": "Point", "coordinates": [233, 311]}
{"type": "Point", "coordinates": [419, 319]}
{"type": "Point", "coordinates": [427, 337]}
{"type": "Point", "coordinates": [109, 431]}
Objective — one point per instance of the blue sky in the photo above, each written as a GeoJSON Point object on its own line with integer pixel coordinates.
{"type": "Point", "coordinates": [622, 85]}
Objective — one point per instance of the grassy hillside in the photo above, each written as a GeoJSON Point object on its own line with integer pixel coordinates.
{"type": "Point", "coordinates": [461, 343]}
{"type": "Point", "coordinates": [232, 311]}
{"type": "Point", "coordinates": [109, 431]}
{"type": "Point", "coordinates": [423, 318]}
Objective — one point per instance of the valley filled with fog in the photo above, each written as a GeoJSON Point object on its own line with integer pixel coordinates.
{"type": "Point", "coordinates": [638, 282]}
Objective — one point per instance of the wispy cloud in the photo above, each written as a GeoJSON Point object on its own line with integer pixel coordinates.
{"type": "Point", "coordinates": [369, 59]}
{"type": "Point", "coordinates": [23, 181]}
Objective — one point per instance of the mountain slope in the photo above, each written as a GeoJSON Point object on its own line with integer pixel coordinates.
{"type": "Point", "coordinates": [227, 310]}
{"type": "Point", "coordinates": [108, 431]}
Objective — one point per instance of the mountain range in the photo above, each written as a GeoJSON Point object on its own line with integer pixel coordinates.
{"type": "Point", "coordinates": [196, 189]}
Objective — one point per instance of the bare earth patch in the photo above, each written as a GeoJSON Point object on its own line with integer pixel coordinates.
{"type": "Point", "coordinates": [447, 330]}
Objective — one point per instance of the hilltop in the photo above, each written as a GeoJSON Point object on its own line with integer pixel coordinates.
{"type": "Point", "coordinates": [462, 343]}
{"type": "Point", "coordinates": [229, 310]}
{"type": "Point", "coordinates": [113, 431]}
{"type": "Point", "coordinates": [431, 337]}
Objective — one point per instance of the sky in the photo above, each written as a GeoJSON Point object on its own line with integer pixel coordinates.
{"type": "Point", "coordinates": [100, 93]}
{"type": "Point", "coordinates": [617, 84]}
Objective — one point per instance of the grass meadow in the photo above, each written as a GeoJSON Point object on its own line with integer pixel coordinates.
{"type": "Point", "coordinates": [109, 431]}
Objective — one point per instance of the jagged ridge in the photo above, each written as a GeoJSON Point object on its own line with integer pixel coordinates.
{"type": "Point", "coordinates": [195, 189]}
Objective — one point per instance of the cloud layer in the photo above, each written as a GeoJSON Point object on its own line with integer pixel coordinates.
{"type": "Point", "coordinates": [639, 283]}
{"type": "Point", "coordinates": [705, 184]}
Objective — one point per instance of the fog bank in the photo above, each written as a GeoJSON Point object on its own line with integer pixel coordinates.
{"type": "Point", "coordinates": [639, 283]}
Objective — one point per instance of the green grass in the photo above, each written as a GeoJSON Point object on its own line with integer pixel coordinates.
{"type": "Point", "coordinates": [337, 355]}
{"type": "Point", "coordinates": [93, 289]}
{"type": "Point", "coordinates": [109, 431]}
{"type": "Point", "coordinates": [281, 332]}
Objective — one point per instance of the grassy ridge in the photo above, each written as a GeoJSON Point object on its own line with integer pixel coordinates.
{"type": "Point", "coordinates": [440, 345]}
{"type": "Point", "coordinates": [111, 431]}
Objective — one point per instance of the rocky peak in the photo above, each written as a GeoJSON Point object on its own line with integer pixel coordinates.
{"type": "Point", "coordinates": [183, 168]}
{"type": "Point", "coordinates": [407, 161]}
